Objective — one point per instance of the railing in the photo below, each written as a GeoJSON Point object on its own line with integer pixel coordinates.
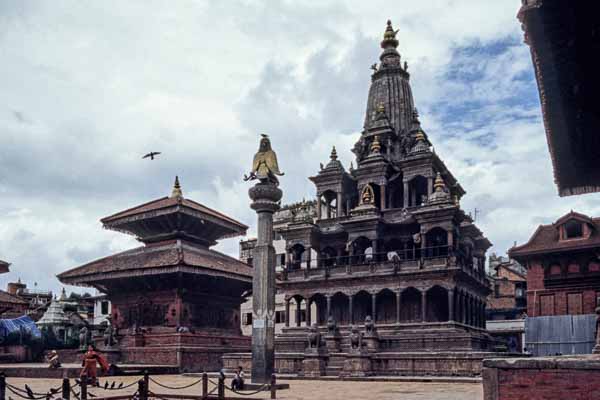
{"type": "Point", "coordinates": [80, 390]}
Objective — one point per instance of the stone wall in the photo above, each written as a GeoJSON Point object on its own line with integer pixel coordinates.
{"type": "Point", "coordinates": [547, 378]}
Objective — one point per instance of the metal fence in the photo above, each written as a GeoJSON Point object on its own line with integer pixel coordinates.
{"type": "Point", "coordinates": [81, 389]}
{"type": "Point", "coordinates": [560, 334]}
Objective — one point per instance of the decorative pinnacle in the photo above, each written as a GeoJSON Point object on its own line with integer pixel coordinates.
{"type": "Point", "coordinates": [376, 145]}
{"type": "Point", "coordinates": [333, 155]}
{"type": "Point", "coordinates": [439, 184]}
{"type": "Point", "coordinates": [176, 193]}
{"type": "Point", "coordinates": [389, 37]}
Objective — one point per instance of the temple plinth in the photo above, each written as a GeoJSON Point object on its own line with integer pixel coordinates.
{"type": "Point", "coordinates": [175, 301]}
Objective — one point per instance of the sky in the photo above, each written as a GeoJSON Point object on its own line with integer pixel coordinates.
{"type": "Point", "coordinates": [87, 88]}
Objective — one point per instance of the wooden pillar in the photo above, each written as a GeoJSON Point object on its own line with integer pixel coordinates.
{"type": "Point", "coordinates": [406, 195]}
{"type": "Point", "coordinates": [339, 205]}
{"type": "Point", "coordinates": [374, 307]}
{"type": "Point", "coordinates": [328, 297]}
{"type": "Point", "coordinates": [351, 308]}
{"type": "Point", "coordinates": [398, 305]}
{"type": "Point", "coordinates": [451, 305]}
{"type": "Point", "coordinates": [424, 306]}
{"type": "Point", "coordinates": [287, 312]}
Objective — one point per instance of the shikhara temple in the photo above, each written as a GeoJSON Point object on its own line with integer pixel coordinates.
{"type": "Point", "coordinates": [175, 301]}
{"type": "Point", "coordinates": [389, 245]}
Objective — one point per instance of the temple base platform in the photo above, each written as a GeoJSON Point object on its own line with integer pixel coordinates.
{"type": "Point", "coordinates": [422, 349]}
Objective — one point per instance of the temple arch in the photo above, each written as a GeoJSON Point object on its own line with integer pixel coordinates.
{"type": "Point", "coordinates": [437, 304]}
{"type": "Point", "coordinates": [318, 304]}
{"type": "Point", "coordinates": [410, 300]}
{"type": "Point", "coordinates": [339, 308]}
{"type": "Point", "coordinates": [362, 306]}
{"type": "Point", "coordinates": [417, 190]}
{"type": "Point", "coordinates": [386, 307]}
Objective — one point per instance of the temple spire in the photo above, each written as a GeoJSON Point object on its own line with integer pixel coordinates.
{"type": "Point", "coordinates": [176, 193]}
{"type": "Point", "coordinates": [333, 155]}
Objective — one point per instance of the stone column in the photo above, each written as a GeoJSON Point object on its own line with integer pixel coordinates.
{"type": "Point", "coordinates": [265, 197]}
{"type": "Point", "coordinates": [308, 253]}
{"type": "Point", "coordinates": [429, 186]}
{"type": "Point", "coordinates": [424, 305]}
{"type": "Point", "coordinates": [351, 308]}
{"type": "Point", "coordinates": [287, 312]}
{"type": "Point", "coordinates": [398, 305]}
{"type": "Point", "coordinates": [382, 196]}
{"type": "Point", "coordinates": [406, 195]}
{"type": "Point", "coordinates": [339, 205]}
{"type": "Point", "coordinates": [328, 297]}
{"type": "Point", "coordinates": [451, 305]}
{"type": "Point", "coordinates": [374, 307]}
{"type": "Point", "coordinates": [484, 317]}
{"type": "Point", "coordinates": [319, 207]}
{"type": "Point", "coordinates": [298, 311]}
{"type": "Point", "coordinates": [308, 313]}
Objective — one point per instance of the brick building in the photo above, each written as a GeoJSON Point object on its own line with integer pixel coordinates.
{"type": "Point", "coordinates": [563, 266]}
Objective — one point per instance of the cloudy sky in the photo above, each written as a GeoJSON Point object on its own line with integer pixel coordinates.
{"type": "Point", "coordinates": [86, 88]}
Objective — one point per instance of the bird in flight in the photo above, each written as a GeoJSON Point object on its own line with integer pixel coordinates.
{"type": "Point", "coordinates": [152, 154]}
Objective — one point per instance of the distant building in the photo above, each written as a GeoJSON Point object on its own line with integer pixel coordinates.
{"type": "Point", "coordinates": [563, 283]}
{"type": "Point", "coordinates": [102, 309]}
{"type": "Point", "coordinates": [61, 322]}
{"type": "Point", "coordinates": [37, 300]}
{"type": "Point", "coordinates": [507, 305]}
{"type": "Point", "coordinates": [11, 306]}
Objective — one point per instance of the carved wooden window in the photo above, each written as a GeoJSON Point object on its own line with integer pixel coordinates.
{"type": "Point", "coordinates": [574, 303]}
{"type": "Point", "coordinates": [555, 269]}
{"type": "Point", "coordinates": [573, 268]}
{"type": "Point", "coordinates": [573, 229]}
{"type": "Point", "coordinates": [547, 304]}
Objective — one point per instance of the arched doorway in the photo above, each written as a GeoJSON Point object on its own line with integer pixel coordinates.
{"type": "Point", "coordinates": [410, 309]}
{"type": "Point", "coordinates": [437, 304]}
{"type": "Point", "coordinates": [318, 304]}
{"type": "Point", "coordinates": [362, 306]}
{"type": "Point", "coordinates": [386, 307]}
{"type": "Point", "coordinates": [339, 308]}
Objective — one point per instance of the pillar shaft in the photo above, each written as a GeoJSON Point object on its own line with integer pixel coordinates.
{"type": "Point", "coordinates": [351, 308]}
{"type": "Point", "coordinates": [328, 306]}
{"type": "Point", "coordinates": [450, 305]}
{"type": "Point", "coordinates": [398, 306]}
{"type": "Point", "coordinates": [423, 306]}
{"type": "Point", "coordinates": [339, 205]}
{"type": "Point", "coordinates": [406, 195]}
{"type": "Point", "coordinates": [287, 313]}
{"type": "Point", "coordinates": [374, 307]}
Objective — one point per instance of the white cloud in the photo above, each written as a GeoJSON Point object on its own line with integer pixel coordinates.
{"type": "Point", "coordinates": [89, 88]}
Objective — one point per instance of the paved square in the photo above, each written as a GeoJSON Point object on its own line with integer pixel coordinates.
{"type": "Point", "coordinates": [299, 390]}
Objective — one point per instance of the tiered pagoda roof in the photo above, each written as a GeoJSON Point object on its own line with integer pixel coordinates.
{"type": "Point", "coordinates": [176, 233]}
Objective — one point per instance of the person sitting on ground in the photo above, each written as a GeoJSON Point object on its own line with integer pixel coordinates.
{"type": "Point", "coordinates": [238, 380]}
{"type": "Point", "coordinates": [53, 360]}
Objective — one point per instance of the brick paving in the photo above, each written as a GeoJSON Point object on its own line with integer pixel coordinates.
{"type": "Point", "coordinates": [299, 390]}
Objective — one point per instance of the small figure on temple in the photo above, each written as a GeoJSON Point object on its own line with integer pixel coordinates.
{"type": "Point", "coordinates": [264, 166]}
{"type": "Point", "coordinates": [369, 326]}
{"type": "Point", "coordinates": [355, 339]}
{"type": "Point", "coordinates": [331, 325]}
{"type": "Point", "coordinates": [83, 338]}
{"type": "Point", "coordinates": [109, 336]}
{"type": "Point", "coordinates": [89, 363]}
{"type": "Point", "coordinates": [53, 360]}
{"type": "Point", "coordinates": [314, 337]}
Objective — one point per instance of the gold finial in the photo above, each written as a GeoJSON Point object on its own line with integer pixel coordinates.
{"type": "Point", "coordinates": [177, 193]}
{"type": "Point", "coordinates": [376, 145]}
{"type": "Point", "coordinates": [420, 136]}
{"type": "Point", "coordinates": [381, 108]}
{"type": "Point", "coordinates": [439, 184]}
{"type": "Point", "coordinates": [333, 155]}
{"type": "Point", "coordinates": [389, 36]}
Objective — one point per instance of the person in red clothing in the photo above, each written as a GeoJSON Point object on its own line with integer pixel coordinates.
{"type": "Point", "coordinates": [90, 359]}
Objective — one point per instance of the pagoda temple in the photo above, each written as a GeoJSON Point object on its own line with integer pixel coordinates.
{"type": "Point", "coordinates": [175, 301]}
{"type": "Point", "coordinates": [389, 252]}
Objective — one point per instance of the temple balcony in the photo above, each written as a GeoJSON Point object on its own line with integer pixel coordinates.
{"type": "Point", "coordinates": [385, 263]}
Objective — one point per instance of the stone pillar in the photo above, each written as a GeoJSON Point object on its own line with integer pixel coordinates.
{"type": "Point", "coordinates": [327, 209]}
{"type": "Point", "coordinates": [484, 317]}
{"type": "Point", "coordinates": [382, 196]}
{"type": "Point", "coordinates": [298, 311]}
{"type": "Point", "coordinates": [265, 197]}
{"type": "Point", "coordinates": [287, 312]}
{"type": "Point", "coordinates": [424, 306]}
{"type": "Point", "coordinates": [308, 252]}
{"type": "Point", "coordinates": [319, 207]}
{"type": "Point", "coordinates": [429, 186]}
{"type": "Point", "coordinates": [328, 297]}
{"type": "Point", "coordinates": [308, 313]}
{"type": "Point", "coordinates": [374, 307]}
{"type": "Point", "coordinates": [351, 308]}
{"type": "Point", "coordinates": [339, 205]}
{"type": "Point", "coordinates": [398, 305]}
{"type": "Point", "coordinates": [406, 195]}
{"type": "Point", "coordinates": [451, 305]}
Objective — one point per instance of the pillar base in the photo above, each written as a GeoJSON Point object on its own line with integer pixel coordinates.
{"type": "Point", "coordinates": [357, 364]}
{"type": "Point", "coordinates": [313, 364]}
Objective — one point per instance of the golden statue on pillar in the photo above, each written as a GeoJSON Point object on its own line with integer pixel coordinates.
{"type": "Point", "coordinates": [264, 165]}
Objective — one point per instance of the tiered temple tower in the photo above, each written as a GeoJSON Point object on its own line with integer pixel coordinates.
{"type": "Point", "coordinates": [174, 300]}
{"type": "Point", "coordinates": [389, 243]}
